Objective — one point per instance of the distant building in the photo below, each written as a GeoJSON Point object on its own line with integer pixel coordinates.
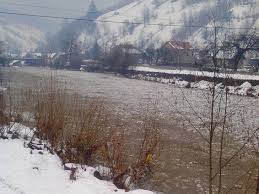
{"type": "Point", "coordinates": [225, 59]}
{"type": "Point", "coordinates": [33, 59]}
{"type": "Point", "coordinates": [91, 65]}
{"type": "Point", "coordinates": [129, 49]}
{"type": "Point", "coordinates": [57, 60]}
{"type": "Point", "coordinates": [177, 53]}
{"type": "Point", "coordinates": [248, 62]}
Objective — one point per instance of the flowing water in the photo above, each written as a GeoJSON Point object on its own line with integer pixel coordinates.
{"type": "Point", "coordinates": [179, 171]}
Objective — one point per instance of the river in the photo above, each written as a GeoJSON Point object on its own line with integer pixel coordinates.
{"type": "Point", "coordinates": [130, 97]}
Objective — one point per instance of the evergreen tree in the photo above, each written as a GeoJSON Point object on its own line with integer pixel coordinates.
{"type": "Point", "coordinates": [92, 12]}
{"type": "Point", "coordinates": [91, 15]}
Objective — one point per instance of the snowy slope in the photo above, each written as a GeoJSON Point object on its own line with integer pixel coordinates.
{"type": "Point", "coordinates": [27, 172]}
{"type": "Point", "coordinates": [20, 36]}
{"type": "Point", "coordinates": [234, 13]}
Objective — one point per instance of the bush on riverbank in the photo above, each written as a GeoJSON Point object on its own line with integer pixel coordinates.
{"type": "Point", "coordinates": [84, 131]}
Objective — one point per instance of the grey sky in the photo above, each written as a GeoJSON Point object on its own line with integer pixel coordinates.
{"type": "Point", "coordinates": [67, 8]}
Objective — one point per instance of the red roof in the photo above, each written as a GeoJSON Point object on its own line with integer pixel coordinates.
{"type": "Point", "coordinates": [179, 44]}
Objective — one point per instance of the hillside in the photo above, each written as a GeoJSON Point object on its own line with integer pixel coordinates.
{"type": "Point", "coordinates": [238, 14]}
{"type": "Point", "coordinates": [20, 37]}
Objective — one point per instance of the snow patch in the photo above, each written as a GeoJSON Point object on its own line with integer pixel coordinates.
{"type": "Point", "coordinates": [25, 171]}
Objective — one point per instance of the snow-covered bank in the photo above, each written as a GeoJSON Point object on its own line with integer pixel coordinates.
{"type": "Point", "coordinates": [245, 89]}
{"type": "Point", "coordinates": [26, 171]}
{"type": "Point", "coordinates": [237, 76]}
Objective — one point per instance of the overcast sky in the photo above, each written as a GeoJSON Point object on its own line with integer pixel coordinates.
{"type": "Point", "coordinates": [66, 8]}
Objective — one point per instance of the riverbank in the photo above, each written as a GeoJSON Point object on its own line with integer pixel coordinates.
{"type": "Point", "coordinates": [237, 83]}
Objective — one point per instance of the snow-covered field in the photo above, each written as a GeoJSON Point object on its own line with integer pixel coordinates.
{"type": "Point", "coordinates": [26, 171]}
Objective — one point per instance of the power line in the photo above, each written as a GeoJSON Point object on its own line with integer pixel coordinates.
{"type": "Point", "coordinates": [42, 7]}
{"type": "Point", "coordinates": [123, 22]}
{"type": "Point", "coordinates": [70, 10]}
{"type": "Point", "coordinates": [74, 10]}
{"type": "Point", "coordinates": [135, 17]}
{"type": "Point", "coordinates": [48, 7]}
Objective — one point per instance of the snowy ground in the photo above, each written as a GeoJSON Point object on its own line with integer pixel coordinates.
{"type": "Point", "coordinates": [245, 89]}
{"type": "Point", "coordinates": [26, 171]}
{"type": "Point", "coordinates": [197, 73]}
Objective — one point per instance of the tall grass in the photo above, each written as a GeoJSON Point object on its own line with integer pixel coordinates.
{"type": "Point", "coordinates": [3, 117]}
{"type": "Point", "coordinates": [83, 130]}
{"type": "Point", "coordinates": [133, 157]}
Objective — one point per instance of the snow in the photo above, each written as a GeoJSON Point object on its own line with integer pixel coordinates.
{"type": "Point", "coordinates": [202, 85]}
{"type": "Point", "coordinates": [177, 13]}
{"type": "Point", "coordinates": [14, 62]}
{"type": "Point", "coordinates": [182, 83]}
{"type": "Point", "coordinates": [2, 89]}
{"type": "Point", "coordinates": [196, 73]}
{"type": "Point", "coordinates": [25, 171]}
{"type": "Point", "coordinates": [24, 38]}
{"type": "Point", "coordinates": [244, 89]}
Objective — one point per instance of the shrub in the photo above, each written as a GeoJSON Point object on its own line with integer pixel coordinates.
{"type": "Point", "coordinates": [84, 131]}
{"type": "Point", "coordinates": [121, 57]}
{"type": "Point", "coordinates": [131, 163]}
{"type": "Point", "coordinates": [89, 131]}
{"type": "Point", "coordinates": [50, 111]}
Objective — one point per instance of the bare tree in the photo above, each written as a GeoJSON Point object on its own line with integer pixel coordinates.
{"type": "Point", "coordinates": [121, 57]}
{"type": "Point", "coordinates": [215, 127]}
{"type": "Point", "coordinates": [242, 44]}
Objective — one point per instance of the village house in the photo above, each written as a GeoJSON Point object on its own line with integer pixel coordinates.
{"type": "Point", "coordinates": [91, 65]}
{"type": "Point", "coordinates": [135, 53]}
{"type": "Point", "coordinates": [177, 53]}
{"type": "Point", "coordinates": [33, 59]}
{"type": "Point", "coordinates": [225, 59]}
{"type": "Point", "coordinates": [57, 60]}
{"type": "Point", "coordinates": [249, 62]}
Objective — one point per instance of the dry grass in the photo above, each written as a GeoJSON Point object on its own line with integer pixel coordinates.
{"type": "Point", "coordinates": [131, 162]}
{"type": "Point", "coordinates": [90, 129]}
{"type": "Point", "coordinates": [3, 117]}
{"type": "Point", "coordinates": [84, 131]}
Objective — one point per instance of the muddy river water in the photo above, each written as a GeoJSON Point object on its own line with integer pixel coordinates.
{"type": "Point", "coordinates": [129, 97]}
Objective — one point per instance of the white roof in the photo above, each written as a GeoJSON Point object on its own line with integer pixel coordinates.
{"type": "Point", "coordinates": [36, 54]}
{"type": "Point", "coordinates": [14, 62]}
